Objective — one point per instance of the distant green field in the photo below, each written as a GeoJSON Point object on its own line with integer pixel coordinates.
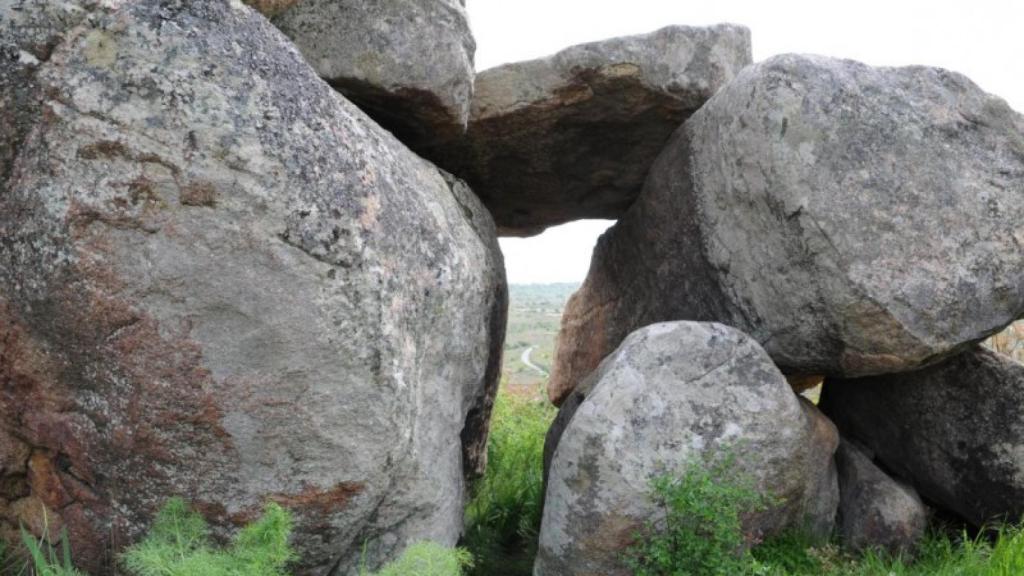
{"type": "Point", "coordinates": [534, 316]}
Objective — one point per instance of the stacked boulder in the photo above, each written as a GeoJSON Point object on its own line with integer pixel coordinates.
{"type": "Point", "coordinates": [407, 63]}
{"type": "Point", "coordinates": [248, 254]}
{"type": "Point", "coordinates": [854, 220]}
{"type": "Point", "coordinates": [859, 223]}
{"type": "Point", "coordinates": [571, 136]}
{"type": "Point", "coordinates": [956, 429]}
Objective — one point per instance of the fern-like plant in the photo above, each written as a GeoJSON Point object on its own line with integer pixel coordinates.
{"type": "Point", "coordinates": [179, 545]}
{"type": "Point", "coordinates": [428, 559]}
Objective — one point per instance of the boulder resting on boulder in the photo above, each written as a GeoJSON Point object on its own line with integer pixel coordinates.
{"type": "Point", "coordinates": [854, 220]}
{"type": "Point", "coordinates": [571, 136]}
{"type": "Point", "coordinates": [954, 430]}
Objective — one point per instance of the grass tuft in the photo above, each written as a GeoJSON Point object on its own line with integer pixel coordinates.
{"type": "Point", "coordinates": [178, 545]}
{"type": "Point", "coordinates": [428, 559]}
{"type": "Point", "coordinates": [45, 559]}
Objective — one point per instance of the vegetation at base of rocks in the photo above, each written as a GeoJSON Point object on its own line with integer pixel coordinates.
{"type": "Point", "coordinates": [700, 526]}
{"type": "Point", "coordinates": [701, 534]}
{"type": "Point", "coordinates": [793, 553]}
{"type": "Point", "coordinates": [427, 559]}
{"type": "Point", "coordinates": [503, 517]}
{"type": "Point", "coordinates": [44, 559]}
{"type": "Point", "coordinates": [179, 545]}
{"type": "Point", "coordinates": [996, 552]}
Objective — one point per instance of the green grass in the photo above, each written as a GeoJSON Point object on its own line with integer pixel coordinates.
{"type": "Point", "coordinates": [178, 545]}
{"type": "Point", "coordinates": [428, 559]}
{"type": "Point", "coordinates": [46, 559]}
{"type": "Point", "coordinates": [999, 552]}
{"type": "Point", "coordinates": [503, 517]}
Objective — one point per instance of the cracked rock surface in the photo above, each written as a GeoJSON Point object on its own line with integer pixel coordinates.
{"type": "Point", "coordinates": [211, 289]}
{"type": "Point", "coordinates": [954, 430]}
{"type": "Point", "coordinates": [571, 136]}
{"type": "Point", "coordinates": [673, 392]}
{"type": "Point", "coordinates": [854, 220]}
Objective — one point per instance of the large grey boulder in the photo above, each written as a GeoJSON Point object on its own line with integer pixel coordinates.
{"type": "Point", "coordinates": [672, 393]}
{"type": "Point", "coordinates": [572, 136]}
{"type": "Point", "coordinates": [876, 511]}
{"type": "Point", "coordinates": [954, 430]}
{"type": "Point", "coordinates": [854, 220]}
{"type": "Point", "coordinates": [214, 289]}
{"type": "Point", "coordinates": [407, 63]}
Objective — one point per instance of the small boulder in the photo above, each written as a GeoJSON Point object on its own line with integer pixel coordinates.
{"type": "Point", "coordinates": [406, 63]}
{"type": "Point", "coordinates": [572, 136]}
{"type": "Point", "coordinates": [854, 220]}
{"type": "Point", "coordinates": [954, 430]}
{"type": "Point", "coordinates": [669, 393]}
{"type": "Point", "coordinates": [876, 511]}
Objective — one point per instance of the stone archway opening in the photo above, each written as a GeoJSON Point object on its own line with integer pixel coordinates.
{"type": "Point", "coordinates": [543, 272]}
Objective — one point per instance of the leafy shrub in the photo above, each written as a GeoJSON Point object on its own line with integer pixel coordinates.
{"type": "Point", "coordinates": [699, 531]}
{"type": "Point", "coordinates": [178, 545]}
{"type": "Point", "coordinates": [428, 559]}
{"type": "Point", "coordinates": [503, 517]}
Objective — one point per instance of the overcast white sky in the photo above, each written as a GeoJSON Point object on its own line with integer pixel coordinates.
{"type": "Point", "coordinates": [981, 38]}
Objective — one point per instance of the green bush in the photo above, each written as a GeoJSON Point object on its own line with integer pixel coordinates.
{"type": "Point", "coordinates": [178, 545]}
{"type": "Point", "coordinates": [699, 530]}
{"type": "Point", "coordinates": [503, 517]}
{"type": "Point", "coordinates": [427, 559]}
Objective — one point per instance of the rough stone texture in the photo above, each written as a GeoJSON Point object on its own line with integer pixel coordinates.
{"type": "Point", "coordinates": [876, 511]}
{"type": "Point", "coordinates": [572, 136]}
{"type": "Point", "coordinates": [671, 392]}
{"type": "Point", "coordinates": [954, 430]}
{"type": "Point", "coordinates": [407, 63]}
{"type": "Point", "coordinates": [29, 30]}
{"type": "Point", "coordinates": [854, 220]}
{"type": "Point", "coordinates": [212, 288]}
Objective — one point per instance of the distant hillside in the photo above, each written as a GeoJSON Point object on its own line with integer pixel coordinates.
{"type": "Point", "coordinates": [534, 316]}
